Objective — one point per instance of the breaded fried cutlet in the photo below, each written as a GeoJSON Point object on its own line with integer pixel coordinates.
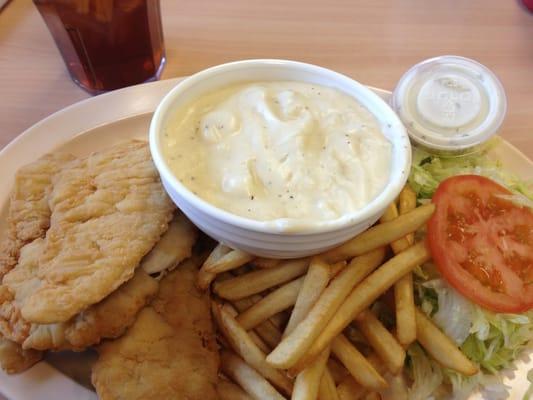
{"type": "Point", "coordinates": [13, 359]}
{"type": "Point", "coordinates": [108, 210]}
{"type": "Point", "coordinates": [29, 214]}
{"type": "Point", "coordinates": [168, 353]}
{"type": "Point", "coordinates": [106, 319]}
{"type": "Point", "coordinates": [174, 247]}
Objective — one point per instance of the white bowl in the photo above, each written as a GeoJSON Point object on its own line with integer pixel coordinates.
{"type": "Point", "coordinates": [267, 238]}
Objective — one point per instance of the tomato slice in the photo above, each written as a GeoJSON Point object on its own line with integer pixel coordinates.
{"type": "Point", "coordinates": [482, 243]}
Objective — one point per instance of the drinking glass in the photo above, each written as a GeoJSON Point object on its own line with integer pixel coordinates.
{"type": "Point", "coordinates": [107, 44]}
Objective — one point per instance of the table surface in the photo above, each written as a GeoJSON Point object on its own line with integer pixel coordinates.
{"type": "Point", "coordinates": [373, 41]}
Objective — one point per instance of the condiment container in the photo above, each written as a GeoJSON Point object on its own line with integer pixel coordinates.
{"type": "Point", "coordinates": [450, 105]}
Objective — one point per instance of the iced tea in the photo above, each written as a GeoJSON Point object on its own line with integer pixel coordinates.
{"type": "Point", "coordinates": [107, 44]}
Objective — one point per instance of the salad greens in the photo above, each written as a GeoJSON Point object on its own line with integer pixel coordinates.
{"type": "Point", "coordinates": [427, 375]}
{"type": "Point", "coordinates": [491, 340]}
{"type": "Point", "coordinates": [428, 170]}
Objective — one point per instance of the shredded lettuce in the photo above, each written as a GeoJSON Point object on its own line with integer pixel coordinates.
{"type": "Point", "coordinates": [429, 170]}
{"type": "Point", "coordinates": [491, 386]}
{"type": "Point", "coordinates": [426, 374]}
{"type": "Point", "coordinates": [491, 340]}
{"type": "Point", "coordinates": [453, 313]}
{"type": "Point", "coordinates": [496, 339]}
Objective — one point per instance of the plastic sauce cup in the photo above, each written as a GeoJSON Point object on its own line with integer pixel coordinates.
{"type": "Point", "coordinates": [450, 105]}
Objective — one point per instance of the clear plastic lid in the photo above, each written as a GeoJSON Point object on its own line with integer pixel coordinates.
{"type": "Point", "coordinates": [450, 103]}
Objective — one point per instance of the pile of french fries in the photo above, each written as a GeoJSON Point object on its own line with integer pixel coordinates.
{"type": "Point", "coordinates": [283, 323]}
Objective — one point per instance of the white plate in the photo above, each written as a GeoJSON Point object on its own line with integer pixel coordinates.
{"type": "Point", "coordinates": [97, 123]}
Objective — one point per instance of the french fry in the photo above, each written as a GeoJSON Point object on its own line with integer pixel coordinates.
{"type": "Point", "coordinates": [308, 381]}
{"type": "Point", "coordinates": [243, 269]}
{"type": "Point", "coordinates": [391, 213]}
{"type": "Point", "coordinates": [280, 319]}
{"type": "Point", "coordinates": [440, 347]}
{"type": "Point", "coordinates": [365, 294]}
{"type": "Point", "coordinates": [376, 362]}
{"type": "Point", "coordinates": [401, 244]}
{"type": "Point", "coordinates": [405, 306]}
{"type": "Point", "coordinates": [245, 347]}
{"type": "Point", "coordinates": [327, 389]}
{"type": "Point", "coordinates": [242, 304]}
{"type": "Point", "coordinates": [267, 331]}
{"type": "Point", "coordinates": [336, 268]}
{"type": "Point", "coordinates": [253, 335]}
{"type": "Point", "coordinates": [337, 370]}
{"type": "Point", "coordinates": [204, 278]}
{"type": "Point", "coordinates": [354, 335]}
{"type": "Point", "coordinates": [257, 281]}
{"type": "Point", "coordinates": [381, 235]}
{"type": "Point", "coordinates": [315, 281]}
{"type": "Point", "coordinates": [349, 389]}
{"type": "Point", "coordinates": [276, 301]}
{"type": "Point", "coordinates": [294, 346]}
{"type": "Point", "coordinates": [252, 382]}
{"type": "Point", "coordinates": [262, 263]}
{"type": "Point", "coordinates": [218, 252]}
{"type": "Point", "coordinates": [263, 346]}
{"type": "Point", "coordinates": [229, 391]}
{"type": "Point", "coordinates": [362, 371]}
{"type": "Point", "coordinates": [372, 396]}
{"type": "Point", "coordinates": [381, 340]}
{"type": "Point", "coordinates": [403, 289]}
{"type": "Point", "coordinates": [407, 203]}
{"type": "Point", "coordinates": [224, 276]}
{"type": "Point", "coordinates": [407, 200]}
{"type": "Point", "coordinates": [232, 260]}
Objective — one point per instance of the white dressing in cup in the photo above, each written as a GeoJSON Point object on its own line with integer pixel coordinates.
{"type": "Point", "coordinates": [450, 104]}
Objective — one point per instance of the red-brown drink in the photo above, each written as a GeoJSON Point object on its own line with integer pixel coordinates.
{"type": "Point", "coordinates": [107, 44]}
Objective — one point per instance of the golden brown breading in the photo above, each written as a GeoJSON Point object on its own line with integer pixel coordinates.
{"type": "Point", "coordinates": [168, 353]}
{"type": "Point", "coordinates": [106, 319]}
{"type": "Point", "coordinates": [174, 247]}
{"type": "Point", "coordinates": [29, 214]}
{"type": "Point", "coordinates": [17, 284]}
{"type": "Point", "coordinates": [108, 210]}
{"type": "Point", "coordinates": [13, 359]}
